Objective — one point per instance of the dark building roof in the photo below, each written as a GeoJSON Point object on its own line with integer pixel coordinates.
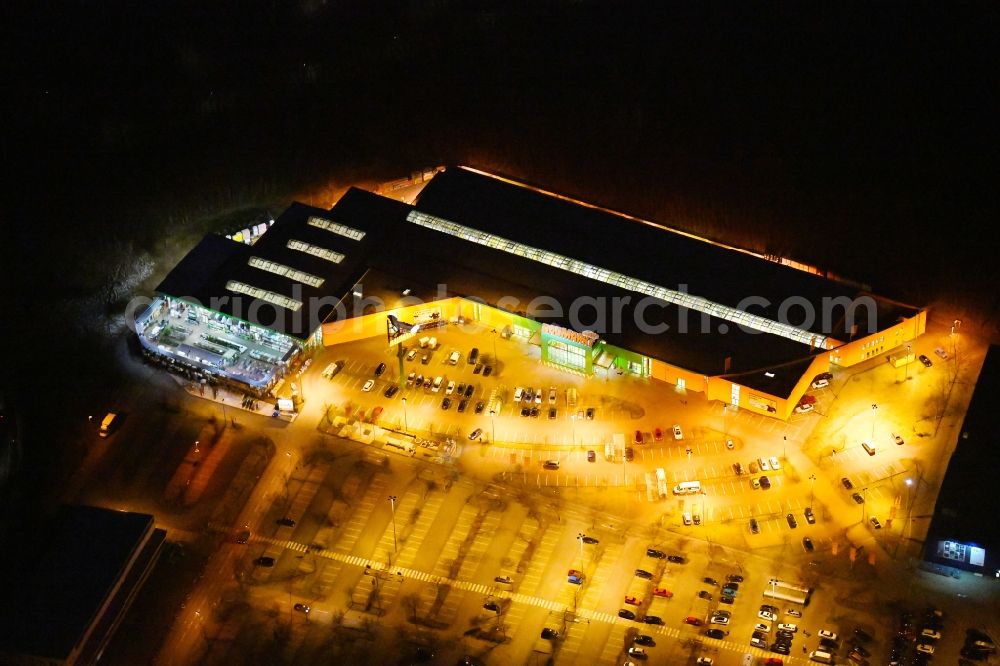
{"type": "Point", "coordinates": [203, 274]}
{"type": "Point", "coordinates": [635, 248]}
{"type": "Point", "coordinates": [968, 501]}
{"type": "Point", "coordinates": [425, 258]}
{"type": "Point", "coordinates": [66, 578]}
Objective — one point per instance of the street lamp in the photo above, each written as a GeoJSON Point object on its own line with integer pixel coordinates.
{"type": "Point", "coordinates": [495, 359]}
{"type": "Point", "coordinates": [812, 483]}
{"type": "Point", "coordinates": [909, 355]}
{"type": "Point", "coordinates": [784, 447]}
{"type": "Point", "coordinates": [579, 537]}
{"type": "Point", "coordinates": [392, 503]}
{"type": "Point", "coordinates": [572, 418]}
{"type": "Point", "coordinates": [406, 425]}
{"type": "Point", "coordinates": [957, 324]}
{"type": "Point", "coordinates": [874, 412]}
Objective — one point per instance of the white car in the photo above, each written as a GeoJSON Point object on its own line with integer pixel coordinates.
{"type": "Point", "coordinates": [774, 463]}
{"type": "Point", "coordinates": [368, 385]}
{"type": "Point", "coordinates": [450, 389]}
{"type": "Point", "coordinates": [763, 626]}
{"type": "Point", "coordinates": [788, 627]}
{"type": "Point", "coordinates": [821, 383]}
{"type": "Point", "coordinates": [678, 434]}
{"type": "Point", "coordinates": [729, 444]}
{"type": "Point", "coordinates": [704, 661]}
{"type": "Point", "coordinates": [803, 408]}
{"type": "Point", "coordinates": [637, 652]}
{"type": "Point", "coordinates": [926, 648]}
{"type": "Point", "coordinates": [764, 466]}
{"type": "Point", "coordinates": [552, 395]}
{"type": "Point", "coordinates": [823, 633]}
{"type": "Point", "coordinates": [538, 396]}
{"type": "Point", "coordinates": [719, 619]}
{"type": "Point", "coordinates": [518, 392]}
{"type": "Point", "coordinates": [941, 352]}
{"type": "Point", "coordinates": [767, 615]}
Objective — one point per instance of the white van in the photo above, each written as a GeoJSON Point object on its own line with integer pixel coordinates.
{"type": "Point", "coordinates": [867, 446]}
{"type": "Point", "coordinates": [437, 384]}
{"type": "Point", "coordinates": [687, 488]}
{"type": "Point", "coordinates": [821, 657]}
{"type": "Point", "coordinates": [453, 358]}
{"type": "Point", "coordinates": [518, 392]}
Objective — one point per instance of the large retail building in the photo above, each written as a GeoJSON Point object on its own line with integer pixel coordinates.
{"type": "Point", "coordinates": [595, 290]}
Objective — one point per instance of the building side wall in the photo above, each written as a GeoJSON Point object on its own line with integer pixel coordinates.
{"type": "Point", "coordinates": [881, 342]}
{"type": "Point", "coordinates": [666, 372]}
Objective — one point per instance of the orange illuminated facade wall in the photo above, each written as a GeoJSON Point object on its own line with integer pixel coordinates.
{"type": "Point", "coordinates": [877, 344]}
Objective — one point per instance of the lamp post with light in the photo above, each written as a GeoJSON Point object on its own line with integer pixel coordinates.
{"type": "Point", "coordinates": [909, 355]}
{"type": "Point", "coordinates": [874, 412]}
{"type": "Point", "coordinates": [406, 424]}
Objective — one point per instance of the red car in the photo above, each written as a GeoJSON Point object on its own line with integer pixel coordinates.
{"type": "Point", "coordinates": [657, 434]}
{"type": "Point", "coordinates": [633, 601]}
{"type": "Point", "coordinates": [638, 437]}
{"type": "Point", "coordinates": [807, 400]}
{"type": "Point", "coordinates": [662, 592]}
{"type": "Point", "coordinates": [691, 619]}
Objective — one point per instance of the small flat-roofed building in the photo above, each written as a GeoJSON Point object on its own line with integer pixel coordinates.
{"type": "Point", "coordinates": [963, 532]}
{"type": "Point", "coordinates": [64, 602]}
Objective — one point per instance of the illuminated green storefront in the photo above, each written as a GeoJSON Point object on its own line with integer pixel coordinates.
{"type": "Point", "coordinates": [569, 349]}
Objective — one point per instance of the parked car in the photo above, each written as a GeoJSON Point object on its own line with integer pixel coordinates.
{"type": "Point", "coordinates": [926, 361]}
{"type": "Point", "coordinates": [589, 539]}
{"type": "Point", "coordinates": [790, 518]}
{"type": "Point", "coordinates": [487, 371]}
{"type": "Point", "coordinates": [846, 483]}
{"type": "Point", "coordinates": [715, 633]}
{"type": "Point", "coordinates": [492, 606]}
{"type": "Point", "coordinates": [775, 465]}
{"type": "Point", "coordinates": [676, 559]}
{"type": "Point", "coordinates": [825, 633]}
{"type": "Point", "coordinates": [758, 642]}
{"type": "Point", "coordinates": [551, 464]}
{"type": "Point", "coordinates": [475, 433]}
{"type": "Point", "coordinates": [678, 433]}
{"type": "Point", "coordinates": [549, 633]}
{"type": "Point", "coordinates": [657, 434]}
{"type": "Point", "coordinates": [503, 579]}
{"type": "Point", "coordinates": [302, 608]}
{"type": "Point", "coordinates": [767, 615]}
{"type": "Point", "coordinates": [264, 561]}
{"type": "Point", "coordinates": [638, 437]}
{"type": "Point", "coordinates": [896, 438]}
{"type": "Point", "coordinates": [446, 403]}
{"type": "Point", "coordinates": [285, 522]}
{"type": "Point", "coordinates": [755, 483]}
{"type": "Point", "coordinates": [807, 543]}
{"type": "Point", "coordinates": [591, 456]}
{"type": "Point", "coordinates": [629, 453]}
{"type": "Point", "coordinates": [553, 413]}
{"type": "Point", "coordinates": [653, 619]}
{"type": "Point", "coordinates": [803, 408]}
{"type": "Point", "coordinates": [626, 614]}
{"type": "Point", "coordinates": [590, 413]}
{"type": "Point", "coordinates": [662, 592]}
{"type": "Point", "coordinates": [643, 639]}
{"type": "Point", "coordinates": [941, 352]}
{"type": "Point", "coordinates": [821, 383]}
{"type": "Point", "coordinates": [734, 578]}
{"type": "Point", "coordinates": [642, 573]}
{"type": "Point", "coordinates": [858, 498]}
{"type": "Point", "coordinates": [810, 517]}
{"type": "Point", "coordinates": [379, 369]}
{"type": "Point", "coordinates": [658, 554]}
{"type": "Point", "coordinates": [368, 385]}
{"type": "Point", "coordinates": [875, 523]}
{"type": "Point", "coordinates": [480, 406]}
{"type": "Point", "coordinates": [754, 526]}
{"type": "Point", "coordinates": [788, 627]}
{"type": "Point", "coordinates": [705, 594]}
{"type": "Point", "coordinates": [765, 482]}
{"type": "Point", "coordinates": [637, 652]}
{"type": "Point", "coordinates": [692, 620]}
{"type": "Point", "coordinates": [794, 612]}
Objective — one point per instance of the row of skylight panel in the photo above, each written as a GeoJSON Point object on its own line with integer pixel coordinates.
{"type": "Point", "coordinates": [336, 227]}
{"type": "Point", "coordinates": [316, 251]}
{"type": "Point", "coordinates": [684, 299]}
{"type": "Point", "coordinates": [286, 271]}
{"type": "Point", "coordinates": [264, 295]}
